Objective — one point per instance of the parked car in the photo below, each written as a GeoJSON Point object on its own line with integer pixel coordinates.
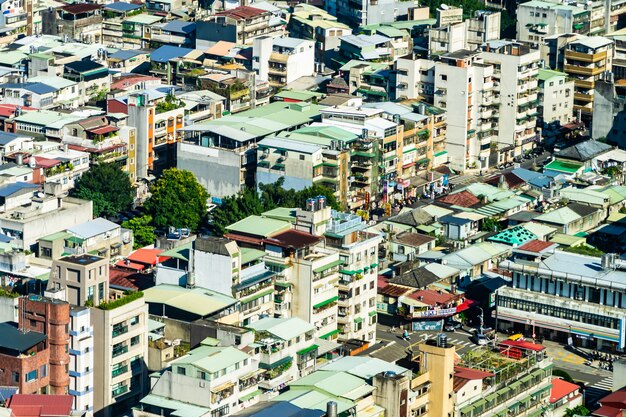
{"type": "Point", "coordinates": [452, 325]}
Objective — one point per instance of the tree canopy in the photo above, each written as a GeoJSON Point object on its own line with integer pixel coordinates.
{"type": "Point", "coordinates": [177, 200]}
{"type": "Point", "coordinates": [143, 231]}
{"type": "Point", "coordinates": [250, 202]}
{"type": "Point", "coordinates": [108, 187]}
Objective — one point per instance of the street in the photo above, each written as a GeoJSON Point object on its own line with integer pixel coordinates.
{"type": "Point", "coordinates": [392, 347]}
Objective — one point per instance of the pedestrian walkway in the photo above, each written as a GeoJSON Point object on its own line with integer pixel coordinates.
{"type": "Point", "coordinates": [598, 390]}
{"type": "Point", "coordinates": [563, 355]}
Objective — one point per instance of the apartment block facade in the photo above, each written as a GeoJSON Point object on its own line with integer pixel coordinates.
{"type": "Point", "coordinates": [84, 278]}
{"type": "Point", "coordinates": [81, 359]}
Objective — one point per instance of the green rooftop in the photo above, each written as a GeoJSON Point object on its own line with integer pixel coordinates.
{"type": "Point", "coordinates": [259, 226]}
{"type": "Point", "coordinates": [212, 359]}
{"type": "Point", "coordinates": [282, 213]}
{"type": "Point", "coordinates": [180, 252]}
{"type": "Point", "coordinates": [199, 301]}
{"type": "Point", "coordinates": [282, 328]}
{"type": "Point", "coordinates": [546, 74]}
{"type": "Point", "coordinates": [515, 236]}
{"type": "Point", "coordinates": [249, 255]}
{"type": "Point", "coordinates": [560, 166]}
{"type": "Point", "coordinates": [55, 236]}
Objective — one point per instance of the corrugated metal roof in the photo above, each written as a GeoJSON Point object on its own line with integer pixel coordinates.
{"type": "Point", "coordinates": [282, 328]}
{"type": "Point", "coordinates": [199, 301]}
{"type": "Point", "coordinates": [93, 228]}
{"type": "Point", "coordinates": [259, 226]}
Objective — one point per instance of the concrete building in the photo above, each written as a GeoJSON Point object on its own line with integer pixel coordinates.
{"type": "Point", "coordinates": [566, 297]}
{"type": "Point", "coordinates": [83, 278]}
{"type": "Point", "coordinates": [158, 123]}
{"type": "Point", "coordinates": [27, 217]}
{"type": "Point", "coordinates": [52, 318]}
{"type": "Point", "coordinates": [455, 34]}
{"type": "Point", "coordinates": [556, 97]}
{"type": "Point", "coordinates": [281, 61]}
{"type": "Point", "coordinates": [362, 13]}
{"type": "Point", "coordinates": [120, 356]}
{"type": "Point", "coordinates": [81, 359]}
{"type": "Point", "coordinates": [80, 22]}
{"type": "Point", "coordinates": [587, 59]}
{"type": "Point", "coordinates": [240, 25]}
{"type": "Point", "coordinates": [608, 109]}
{"type": "Point", "coordinates": [516, 66]}
{"type": "Point", "coordinates": [539, 19]}
{"type": "Point", "coordinates": [415, 78]}
{"type": "Point", "coordinates": [227, 146]}
{"type": "Point", "coordinates": [214, 380]}
{"type": "Point", "coordinates": [312, 23]}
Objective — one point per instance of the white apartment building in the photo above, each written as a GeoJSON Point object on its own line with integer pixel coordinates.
{"type": "Point", "coordinates": [81, 359]}
{"type": "Point", "coordinates": [537, 19]}
{"type": "Point", "coordinates": [415, 78]}
{"type": "Point", "coordinates": [214, 380]}
{"type": "Point", "coordinates": [468, 34]}
{"type": "Point", "coordinates": [358, 252]}
{"type": "Point", "coordinates": [120, 355]}
{"type": "Point", "coordinates": [556, 95]}
{"type": "Point", "coordinates": [465, 88]}
{"type": "Point", "coordinates": [281, 61]}
{"type": "Point", "coordinates": [286, 349]}
{"type": "Point", "coordinates": [515, 67]}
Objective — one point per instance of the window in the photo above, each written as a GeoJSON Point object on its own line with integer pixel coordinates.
{"type": "Point", "coordinates": [444, 77]}
{"type": "Point", "coordinates": [302, 157]}
{"type": "Point", "coordinates": [134, 340]}
{"type": "Point", "coordinates": [134, 321]}
{"type": "Point", "coordinates": [15, 377]}
{"type": "Point", "coordinates": [101, 291]}
{"type": "Point", "coordinates": [181, 371]}
{"type": "Point", "coordinates": [31, 376]}
{"type": "Point", "coordinates": [43, 371]}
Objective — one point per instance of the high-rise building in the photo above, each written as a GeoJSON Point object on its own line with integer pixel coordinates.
{"type": "Point", "coordinates": [81, 359]}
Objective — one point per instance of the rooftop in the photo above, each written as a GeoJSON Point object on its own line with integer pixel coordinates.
{"type": "Point", "coordinates": [242, 12]}
{"type": "Point", "coordinates": [259, 226]}
{"type": "Point", "coordinates": [212, 358]}
{"type": "Point", "coordinates": [13, 339]}
{"type": "Point", "coordinates": [82, 259]}
{"type": "Point", "coordinates": [282, 328]}
{"type": "Point", "coordinates": [561, 389]}
{"type": "Point", "coordinates": [93, 228]}
{"type": "Point", "coordinates": [515, 236]}
{"type": "Point", "coordinates": [293, 239]}
{"type": "Point", "coordinates": [200, 301]}
{"type": "Point", "coordinates": [40, 405]}
{"type": "Point", "coordinates": [413, 239]}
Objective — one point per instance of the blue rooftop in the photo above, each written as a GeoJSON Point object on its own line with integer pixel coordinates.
{"type": "Point", "coordinates": [11, 189]}
{"type": "Point", "coordinates": [180, 26]}
{"type": "Point", "coordinates": [122, 7]}
{"type": "Point", "coordinates": [124, 55]}
{"type": "Point", "coordinates": [167, 52]}
{"type": "Point", "coordinates": [37, 88]}
{"type": "Point", "coordinates": [6, 137]}
{"type": "Point", "coordinates": [452, 219]}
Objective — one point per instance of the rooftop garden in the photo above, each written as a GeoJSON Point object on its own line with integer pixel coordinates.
{"type": "Point", "coordinates": [129, 297]}
{"type": "Point", "coordinates": [169, 103]}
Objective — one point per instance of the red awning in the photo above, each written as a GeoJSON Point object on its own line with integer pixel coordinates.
{"type": "Point", "coordinates": [465, 305]}
{"type": "Point", "coordinates": [103, 129]}
{"type": "Point", "coordinates": [130, 265]}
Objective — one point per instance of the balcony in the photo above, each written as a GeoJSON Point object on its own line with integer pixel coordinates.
{"type": "Point", "coordinates": [119, 371]}
{"type": "Point", "coordinates": [588, 71]}
{"type": "Point", "coordinates": [588, 98]}
{"type": "Point", "coordinates": [579, 56]}
{"type": "Point", "coordinates": [119, 351]}
{"type": "Point", "coordinates": [119, 330]}
{"type": "Point", "coordinates": [584, 84]}
{"type": "Point", "coordinates": [119, 391]}
{"type": "Point", "coordinates": [583, 109]}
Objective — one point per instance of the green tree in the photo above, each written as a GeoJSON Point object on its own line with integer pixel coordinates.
{"type": "Point", "coordinates": [108, 187]}
{"type": "Point", "coordinates": [563, 375]}
{"type": "Point", "coordinates": [234, 208]}
{"type": "Point", "coordinates": [143, 230]}
{"type": "Point", "coordinates": [177, 200]}
{"type": "Point", "coordinates": [491, 224]}
{"type": "Point", "coordinates": [584, 250]}
{"type": "Point", "coordinates": [579, 410]}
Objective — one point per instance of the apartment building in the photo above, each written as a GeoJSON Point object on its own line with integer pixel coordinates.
{"type": "Point", "coordinates": [82, 22]}
{"type": "Point", "coordinates": [60, 165]}
{"type": "Point", "coordinates": [312, 23]}
{"type": "Point", "coordinates": [465, 89]}
{"type": "Point", "coordinates": [214, 380]}
{"type": "Point", "coordinates": [286, 350]}
{"type": "Point", "coordinates": [538, 19]}
{"type": "Point", "coordinates": [515, 67]}
{"type": "Point", "coordinates": [356, 13]}
{"type": "Point", "coordinates": [81, 359]}
{"type": "Point", "coordinates": [84, 278]}
{"type": "Point", "coordinates": [25, 217]}
{"type": "Point", "coordinates": [556, 97]}
{"type": "Point", "coordinates": [414, 78]}
{"type": "Point", "coordinates": [240, 25]}
{"type": "Point", "coordinates": [52, 318]}
{"type": "Point", "coordinates": [587, 59]}
{"type": "Point", "coordinates": [281, 61]}
{"type": "Point", "coordinates": [24, 356]}
{"type": "Point", "coordinates": [358, 252]}
{"type": "Point", "coordinates": [222, 153]}
{"type": "Point", "coordinates": [453, 34]}
{"type": "Point", "coordinates": [120, 356]}
{"type": "Point", "coordinates": [158, 123]}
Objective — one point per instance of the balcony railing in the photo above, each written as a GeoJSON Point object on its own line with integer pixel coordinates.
{"type": "Point", "coordinates": [120, 351]}
{"type": "Point", "coordinates": [117, 331]}
{"type": "Point", "coordinates": [119, 371]}
{"type": "Point", "coordinates": [119, 391]}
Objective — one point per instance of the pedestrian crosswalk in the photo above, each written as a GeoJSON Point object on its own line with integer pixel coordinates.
{"type": "Point", "coordinates": [459, 343]}
{"type": "Point", "coordinates": [598, 390]}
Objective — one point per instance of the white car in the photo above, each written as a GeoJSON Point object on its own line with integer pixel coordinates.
{"type": "Point", "coordinates": [480, 339]}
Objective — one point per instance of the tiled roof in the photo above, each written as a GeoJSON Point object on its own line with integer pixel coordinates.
{"type": "Point", "coordinates": [469, 373]}
{"type": "Point", "coordinates": [431, 297]}
{"type": "Point", "coordinates": [536, 246]}
{"type": "Point", "coordinates": [393, 290]}
{"type": "Point", "coordinates": [126, 279]}
{"type": "Point", "coordinates": [78, 8]}
{"type": "Point", "coordinates": [413, 239]}
{"type": "Point", "coordinates": [242, 12]}
{"type": "Point", "coordinates": [293, 238]}
{"type": "Point", "coordinates": [146, 256]}
{"type": "Point", "coordinates": [23, 405]}
{"type": "Point", "coordinates": [461, 199]}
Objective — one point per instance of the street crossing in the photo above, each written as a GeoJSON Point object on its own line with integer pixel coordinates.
{"type": "Point", "coordinates": [598, 390]}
